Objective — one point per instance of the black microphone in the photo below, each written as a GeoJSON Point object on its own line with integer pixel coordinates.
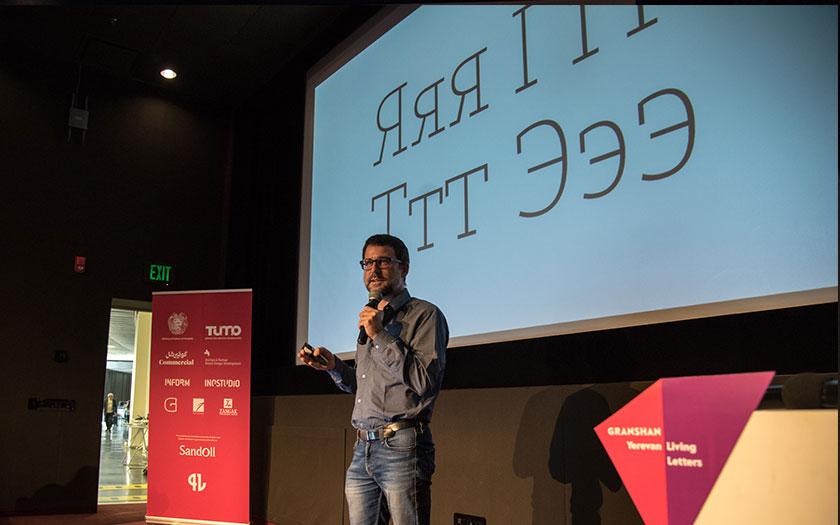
{"type": "Point", "coordinates": [374, 296]}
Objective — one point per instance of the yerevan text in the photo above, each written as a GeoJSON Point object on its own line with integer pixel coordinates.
{"type": "Point", "coordinates": [632, 445]}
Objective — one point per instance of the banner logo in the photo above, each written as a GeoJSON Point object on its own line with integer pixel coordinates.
{"type": "Point", "coordinates": [176, 382]}
{"type": "Point", "coordinates": [170, 404]}
{"type": "Point", "coordinates": [198, 405]}
{"type": "Point", "coordinates": [198, 452]}
{"type": "Point", "coordinates": [228, 409]}
{"type": "Point", "coordinates": [222, 383]}
{"type": "Point", "coordinates": [195, 482]}
{"type": "Point", "coordinates": [176, 359]}
{"type": "Point", "coordinates": [224, 331]}
{"type": "Point", "coordinates": [178, 323]}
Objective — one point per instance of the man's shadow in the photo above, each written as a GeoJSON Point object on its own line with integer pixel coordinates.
{"type": "Point", "coordinates": [557, 443]}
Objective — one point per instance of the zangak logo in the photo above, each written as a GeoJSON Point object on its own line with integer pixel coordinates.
{"type": "Point", "coordinates": [198, 405]}
{"type": "Point", "coordinates": [228, 409]}
{"type": "Point", "coordinates": [178, 323]}
{"type": "Point", "coordinates": [195, 482]}
{"type": "Point", "coordinates": [170, 404]}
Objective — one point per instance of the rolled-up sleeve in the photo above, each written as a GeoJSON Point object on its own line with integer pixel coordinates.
{"type": "Point", "coordinates": [344, 376]}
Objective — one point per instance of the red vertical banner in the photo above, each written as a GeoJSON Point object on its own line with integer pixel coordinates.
{"type": "Point", "coordinates": [199, 407]}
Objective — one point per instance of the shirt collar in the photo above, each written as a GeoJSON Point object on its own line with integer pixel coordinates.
{"type": "Point", "coordinates": [400, 300]}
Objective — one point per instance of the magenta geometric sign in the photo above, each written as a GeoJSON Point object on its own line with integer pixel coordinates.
{"type": "Point", "coordinates": [670, 443]}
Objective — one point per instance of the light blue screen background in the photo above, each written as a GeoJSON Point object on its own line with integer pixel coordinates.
{"type": "Point", "coordinates": [752, 213]}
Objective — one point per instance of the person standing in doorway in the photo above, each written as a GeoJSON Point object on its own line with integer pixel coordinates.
{"type": "Point", "coordinates": [110, 411]}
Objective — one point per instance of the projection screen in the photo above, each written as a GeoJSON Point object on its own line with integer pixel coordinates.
{"type": "Point", "coordinates": [555, 169]}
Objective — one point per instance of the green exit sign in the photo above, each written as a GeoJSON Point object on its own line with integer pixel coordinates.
{"type": "Point", "coordinates": [159, 273]}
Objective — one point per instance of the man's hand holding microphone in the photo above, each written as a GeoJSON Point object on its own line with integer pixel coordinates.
{"type": "Point", "coordinates": [371, 321]}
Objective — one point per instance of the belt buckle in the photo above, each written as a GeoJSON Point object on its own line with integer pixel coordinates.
{"type": "Point", "coordinates": [379, 433]}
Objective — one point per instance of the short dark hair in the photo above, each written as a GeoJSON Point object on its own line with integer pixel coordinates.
{"type": "Point", "coordinates": [383, 239]}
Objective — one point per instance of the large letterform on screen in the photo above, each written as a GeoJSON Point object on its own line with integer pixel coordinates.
{"type": "Point", "coordinates": [585, 163]}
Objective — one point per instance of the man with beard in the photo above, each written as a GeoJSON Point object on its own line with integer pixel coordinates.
{"type": "Point", "coordinates": [400, 359]}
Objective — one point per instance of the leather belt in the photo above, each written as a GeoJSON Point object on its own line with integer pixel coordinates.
{"type": "Point", "coordinates": [387, 431]}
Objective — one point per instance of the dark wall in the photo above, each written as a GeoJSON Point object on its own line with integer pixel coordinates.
{"type": "Point", "coordinates": [265, 196]}
{"type": "Point", "coordinates": [787, 341]}
{"type": "Point", "coordinates": [147, 186]}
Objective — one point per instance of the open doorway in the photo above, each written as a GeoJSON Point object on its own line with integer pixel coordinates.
{"type": "Point", "coordinates": [123, 449]}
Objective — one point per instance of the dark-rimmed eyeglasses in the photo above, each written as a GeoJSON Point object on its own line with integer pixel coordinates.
{"type": "Point", "coordinates": [383, 263]}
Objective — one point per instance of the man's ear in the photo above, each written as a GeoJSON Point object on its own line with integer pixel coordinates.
{"type": "Point", "coordinates": [404, 270]}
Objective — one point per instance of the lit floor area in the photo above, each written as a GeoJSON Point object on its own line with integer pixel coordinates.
{"type": "Point", "coordinates": [121, 467]}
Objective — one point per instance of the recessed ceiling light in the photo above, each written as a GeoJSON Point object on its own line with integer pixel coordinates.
{"type": "Point", "coordinates": [168, 74]}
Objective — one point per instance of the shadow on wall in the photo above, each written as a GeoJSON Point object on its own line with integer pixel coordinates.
{"type": "Point", "coordinates": [70, 498]}
{"type": "Point", "coordinates": [563, 425]}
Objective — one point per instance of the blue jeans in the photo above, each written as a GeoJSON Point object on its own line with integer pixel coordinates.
{"type": "Point", "coordinates": [392, 478]}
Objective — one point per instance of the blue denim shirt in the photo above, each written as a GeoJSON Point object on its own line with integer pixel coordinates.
{"type": "Point", "coordinates": [398, 374]}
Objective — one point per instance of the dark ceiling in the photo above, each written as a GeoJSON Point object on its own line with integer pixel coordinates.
{"type": "Point", "coordinates": [222, 53]}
